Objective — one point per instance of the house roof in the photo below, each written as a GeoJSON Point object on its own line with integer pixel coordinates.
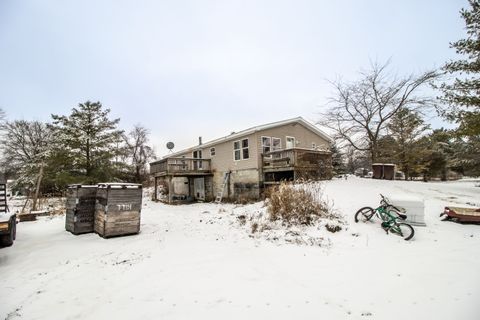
{"type": "Point", "coordinates": [249, 131]}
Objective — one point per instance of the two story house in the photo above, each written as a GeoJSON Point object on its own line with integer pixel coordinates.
{"type": "Point", "coordinates": [242, 164]}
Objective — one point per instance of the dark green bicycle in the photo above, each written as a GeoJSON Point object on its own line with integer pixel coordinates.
{"type": "Point", "coordinates": [390, 216]}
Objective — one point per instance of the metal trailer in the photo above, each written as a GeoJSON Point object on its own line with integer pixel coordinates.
{"type": "Point", "coordinates": [8, 221]}
{"type": "Point", "coordinates": [460, 214]}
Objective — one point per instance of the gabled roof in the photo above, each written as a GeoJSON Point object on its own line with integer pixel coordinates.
{"type": "Point", "coordinates": [249, 131]}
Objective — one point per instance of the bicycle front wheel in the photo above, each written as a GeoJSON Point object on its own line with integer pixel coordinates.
{"type": "Point", "coordinates": [403, 230]}
{"type": "Point", "coordinates": [364, 214]}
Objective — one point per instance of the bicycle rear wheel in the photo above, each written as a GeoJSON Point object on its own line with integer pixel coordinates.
{"type": "Point", "coordinates": [364, 214]}
{"type": "Point", "coordinates": [403, 230]}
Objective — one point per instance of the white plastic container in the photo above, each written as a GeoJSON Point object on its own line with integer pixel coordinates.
{"type": "Point", "coordinates": [414, 209]}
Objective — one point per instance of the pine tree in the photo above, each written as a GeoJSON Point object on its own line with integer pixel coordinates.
{"type": "Point", "coordinates": [438, 154]}
{"type": "Point", "coordinates": [406, 128]}
{"type": "Point", "coordinates": [89, 137]}
{"type": "Point", "coordinates": [337, 159]}
{"type": "Point", "coordinates": [463, 94]}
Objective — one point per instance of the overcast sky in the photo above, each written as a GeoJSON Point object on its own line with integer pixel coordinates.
{"type": "Point", "coordinates": [190, 68]}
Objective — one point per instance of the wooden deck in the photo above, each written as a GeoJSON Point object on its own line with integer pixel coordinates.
{"type": "Point", "coordinates": [293, 159]}
{"type": "Point", "coordinates": [296, 163]}
{"type": "Point", "coordinates": [181, 167]}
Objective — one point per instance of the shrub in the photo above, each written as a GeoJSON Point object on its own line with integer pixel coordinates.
{"type": "Point", "coordinates": [297, 204]}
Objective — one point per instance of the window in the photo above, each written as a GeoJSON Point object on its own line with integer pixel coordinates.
{"type": "Point", "coordinates": [266, 144]}
{"type": "Point", "coordinates": [240, 150]}
{"type": "Point", "coordinates": [276, 143]}
{"type": "Point", "coordinates": [290, 142]}
{"type": "Point", "coordinates": [212, 152]}
{"type": "Point", "coordinates": [197, 164]}
{"type": "Point", "coordinates": [314, 145]}
{"type": "Point", "coordinates": [245, 152]}
{"type": "Point", "coordinates": [236, 150]}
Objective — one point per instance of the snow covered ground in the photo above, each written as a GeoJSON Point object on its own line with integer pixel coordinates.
{"type": "Point", "coordinates": [197, 261]}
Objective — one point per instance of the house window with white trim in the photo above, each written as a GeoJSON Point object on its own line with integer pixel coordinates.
{"type": "Point", "coordinates": [314, 145]}
{"type": "Point", "coordinates": [212, 152]}
{"type": "Point", "coordinates": [245, 151]}
{"type": "Point", "coordinates": [290, 142]}
{"type": "Point", "coordinates": [276, 143]}
{"type": "Point", "coordinates": [266, 144]}
{"type": "Point", "coordinates": [236, 150]}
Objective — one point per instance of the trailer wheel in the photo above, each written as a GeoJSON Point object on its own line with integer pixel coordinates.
{"type": "Point", "coordinates": [7, 240]}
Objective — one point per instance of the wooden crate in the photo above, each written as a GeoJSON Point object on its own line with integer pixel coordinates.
{"type": "Point", "coordinates": [80, 208]}
{"type": "Point", "coordinates": [118, 207]}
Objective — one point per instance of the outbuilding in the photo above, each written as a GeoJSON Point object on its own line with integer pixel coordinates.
{"type": "Point", "coordinates": [384, 171]}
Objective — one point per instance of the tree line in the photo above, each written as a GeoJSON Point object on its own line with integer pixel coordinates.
{"type": "Point", "coordinates": [84, 147]}
{"type": "Point", "coordinates": [382, 117]}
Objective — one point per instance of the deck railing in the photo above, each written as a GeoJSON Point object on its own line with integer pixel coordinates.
{"type": "Point", "coordinates": [292, 158]}
{"type": "Point", "coordinates": [180, 166]}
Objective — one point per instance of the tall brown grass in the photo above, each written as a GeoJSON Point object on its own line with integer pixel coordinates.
{"type": "Point", "coordinates": [297, 204]}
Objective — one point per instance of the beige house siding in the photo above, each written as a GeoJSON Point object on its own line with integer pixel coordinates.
{"type": "Point", "coordinates": [304, 137]}
{"type": "Point", "coordinates": [223, 159]}
{"type": "Point", "coordinates": [244, 171]}
{"type": "Point", "coordinates": [246, 176]}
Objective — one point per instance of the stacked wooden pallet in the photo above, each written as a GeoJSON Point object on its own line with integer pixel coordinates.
{"type": "Point", "coordinates": [109, 209]}
{"type": "Point", "coordinates": [118, 209]}
{"type": "Point", "coordinates": [80, 208]}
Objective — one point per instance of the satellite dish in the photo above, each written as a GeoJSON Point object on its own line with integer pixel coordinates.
{"type": "Point", "coordinates": [170, 146]}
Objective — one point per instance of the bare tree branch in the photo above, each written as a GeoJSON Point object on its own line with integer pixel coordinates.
{"type": "Point", "coordinates": [359, 111]}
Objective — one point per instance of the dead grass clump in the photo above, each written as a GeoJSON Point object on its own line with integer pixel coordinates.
{"type": "Point", "coordinates": [299, 204]}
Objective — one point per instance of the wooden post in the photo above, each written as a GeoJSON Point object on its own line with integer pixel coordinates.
{"type": "Point", "coordinates": [170, 189]}
{"type": "Point", "coordinates": [156, 188]}
{"type": "Point", "coordinates": [37, 189]}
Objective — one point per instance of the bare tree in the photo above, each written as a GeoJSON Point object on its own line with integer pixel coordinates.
{"type": "Point", "coordinates": [138, 152]}
{"type": "Point", "coordinates": [25, 146]}
{"type": "Point", "coordinates": [359, 111]}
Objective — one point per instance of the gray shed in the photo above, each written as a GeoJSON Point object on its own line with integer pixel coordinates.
{"type": "Point", "coordinates": [80, 207]}
{"type": "Point", "coordinates": [118, 207]}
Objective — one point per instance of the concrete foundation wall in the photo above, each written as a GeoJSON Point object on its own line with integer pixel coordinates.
{"type": "Point", "coordinates": [242, 185]}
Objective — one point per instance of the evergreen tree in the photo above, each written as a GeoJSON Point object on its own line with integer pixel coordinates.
{"type": "Point", "coordinates": [90, 139]}
{"type": "Point", "coordinates": [463, 94]}
{"type": "Point", "coordinates": [437, 154]}
{"type": "Point", "coordinates": [407, 127]}
{"type": "Point", "coordinates": [387, 147]}
{"type": "Point", "coordinates": [337, 159]}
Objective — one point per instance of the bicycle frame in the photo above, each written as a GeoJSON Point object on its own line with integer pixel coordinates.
{"type": "Point", "coordinates": [383, 213]}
